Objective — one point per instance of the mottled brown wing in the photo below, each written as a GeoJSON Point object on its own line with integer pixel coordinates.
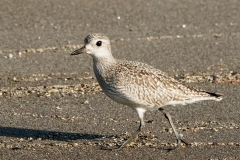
{"type": "Point", "coordinates": [151, 85]}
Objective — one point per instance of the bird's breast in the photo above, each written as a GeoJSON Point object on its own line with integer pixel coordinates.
{"type": "Point", "coordinates": [111, 86]}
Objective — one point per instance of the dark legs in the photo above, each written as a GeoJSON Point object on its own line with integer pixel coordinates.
{"type": "Point", "coordinates": [131, 138]}
{"type": "Point", "coordinates": [178, 137]}
{"type": "Point", "coordinates": [140, 112]}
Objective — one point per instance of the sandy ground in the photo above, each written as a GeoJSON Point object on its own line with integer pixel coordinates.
{"type": "Point", "coordinates": [51, 106]}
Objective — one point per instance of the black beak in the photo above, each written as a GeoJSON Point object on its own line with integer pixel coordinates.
{"type": "Point", "coordinates": [79, 51]}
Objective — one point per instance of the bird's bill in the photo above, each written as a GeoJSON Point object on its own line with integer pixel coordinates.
{"type": "Point", "coordinates": [79, 51]}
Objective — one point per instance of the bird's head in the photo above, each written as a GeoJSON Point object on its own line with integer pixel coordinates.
{"type": "Point", "coordinates": [96, 44]}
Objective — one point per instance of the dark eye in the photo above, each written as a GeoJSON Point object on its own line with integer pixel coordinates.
{"type": "Point", "coordinates": [99, 43]}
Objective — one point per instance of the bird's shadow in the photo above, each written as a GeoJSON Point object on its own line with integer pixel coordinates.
{"type": "Point", "coordinates": [47, 135]}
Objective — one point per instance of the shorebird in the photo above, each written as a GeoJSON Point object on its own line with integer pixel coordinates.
{"type": "Point", "coordinates": [138, 85]}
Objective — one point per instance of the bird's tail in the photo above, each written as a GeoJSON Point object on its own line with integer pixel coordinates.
{"type": "Point", "coordinates": [217, 96]}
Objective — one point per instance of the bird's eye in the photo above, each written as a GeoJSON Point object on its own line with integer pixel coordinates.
{"type": "Point", "coordinates": [99, 43]}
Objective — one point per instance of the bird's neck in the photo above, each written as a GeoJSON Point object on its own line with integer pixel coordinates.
{"type": "Point", "coordinates": [104, 62]}
{"type": "Point", "coordinates": [103, 65]}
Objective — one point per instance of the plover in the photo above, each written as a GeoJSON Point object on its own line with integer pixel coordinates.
{"type": "Point", "coordinates": [138, 85]}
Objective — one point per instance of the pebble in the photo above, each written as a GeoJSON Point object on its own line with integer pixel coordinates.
{"type": "Point", "coordinates": [10, 56]}
{"type": "Point", "coordinates": [86, 102]}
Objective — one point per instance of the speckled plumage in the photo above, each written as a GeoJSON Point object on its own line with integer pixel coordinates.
{"type": "Point", "coordinates": [139, 84]}
{"type": "Point", "coordinates": [136, 84]}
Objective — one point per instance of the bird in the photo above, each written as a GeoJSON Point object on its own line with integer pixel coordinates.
{"type": "Point", "coordinates": [138, 85]}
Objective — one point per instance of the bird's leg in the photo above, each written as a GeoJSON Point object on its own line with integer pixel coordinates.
{"type": "Point", "coordinates": [131, 138]}
{"type": "Point", "coordinates": [178, 137]}
{"type": "Point", "coordinates": [128, 140]}
{"type": "Point", "coordinates": [140, 112]}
